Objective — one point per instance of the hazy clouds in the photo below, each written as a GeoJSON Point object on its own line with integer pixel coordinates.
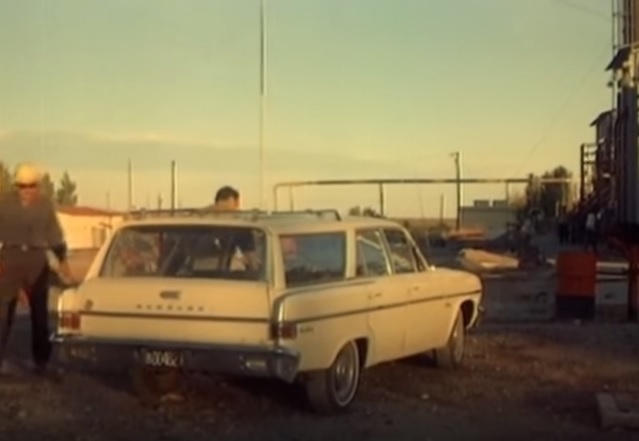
{"type": "Point", "coordinates": [104, 153]}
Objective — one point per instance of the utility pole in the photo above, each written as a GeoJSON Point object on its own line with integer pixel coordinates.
{"type": "Point", "coordinates": [130, 185]}
{"type": "Point", "coordinates": [291, 199]}
{"type": "Point", "coordinates": [420, 197]}
{"type": "Point", "coordinates": [442, 208]}
{"type": "Point", "coordinates": [262, 111]}
{"type": "Point", "coordinates": [174, 191]}
{"type": "Point", "coordinates": [458, 178]}
{"type": "Point", "coordinates": [382, 200]}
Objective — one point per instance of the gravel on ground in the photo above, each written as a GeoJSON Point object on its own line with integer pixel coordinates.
{"type": "Point", "coordinates": [537, 381]}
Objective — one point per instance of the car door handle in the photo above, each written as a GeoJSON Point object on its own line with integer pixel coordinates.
{"type": "Point", "coordinates": [375, 295]}
{"type": "Point", "coordinates": [415, 288]}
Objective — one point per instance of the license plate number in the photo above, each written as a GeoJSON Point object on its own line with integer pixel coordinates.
{"type": "Point", "coordinates": [161, 358]}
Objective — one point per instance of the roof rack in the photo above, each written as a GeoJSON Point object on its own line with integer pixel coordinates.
{"type": "Point", "coordinates": [310, 212]}
{"type": "Point", "coordinates": [190, 212]}
{"type": "Point", "coordinates": [253, 215]}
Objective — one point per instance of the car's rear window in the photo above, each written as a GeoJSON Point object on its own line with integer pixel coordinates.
{"type": "Point", "coordinates": [218, 252]}
{"type": "Point", "coordinates": [313, 258]}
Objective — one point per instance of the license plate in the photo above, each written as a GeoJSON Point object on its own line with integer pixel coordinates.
{"type": "Point", "coordinates": [162, 358]}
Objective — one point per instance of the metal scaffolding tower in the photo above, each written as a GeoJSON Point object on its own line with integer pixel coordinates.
{"type": "Point", "coordinates": [616, 158]}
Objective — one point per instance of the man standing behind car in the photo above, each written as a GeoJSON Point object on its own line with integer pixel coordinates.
{"type": "Point", "coordinates": [29, 228]}
{"type": "Point", "coordinates": [227, 198]}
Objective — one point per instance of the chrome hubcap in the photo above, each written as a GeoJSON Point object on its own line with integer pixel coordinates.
{"type": "Point", "coordinates": [345, 375]}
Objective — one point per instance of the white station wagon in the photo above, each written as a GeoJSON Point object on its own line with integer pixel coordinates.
{"type": "Point", "coordinates": [300, 297]}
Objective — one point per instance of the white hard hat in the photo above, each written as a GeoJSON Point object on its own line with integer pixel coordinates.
{"type": "Point", "coordinates": [27, 173]}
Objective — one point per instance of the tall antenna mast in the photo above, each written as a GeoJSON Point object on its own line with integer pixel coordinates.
{"type": "Point", "coordinates": [262, 122]}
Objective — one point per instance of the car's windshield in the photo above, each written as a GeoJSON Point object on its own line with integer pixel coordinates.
{"type": "Point", "coordinates": [220, 252]}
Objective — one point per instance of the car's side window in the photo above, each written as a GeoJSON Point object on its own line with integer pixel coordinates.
{"type": "Point", "coordinates": [313, 258]}
{"type": "Point", "coordinates": [372, 259]}
{"type": "Point", "coordinates": [401, 250]}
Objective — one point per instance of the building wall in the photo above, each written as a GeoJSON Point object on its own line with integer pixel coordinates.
{"type": "Point", "coordinates": [84, 232]}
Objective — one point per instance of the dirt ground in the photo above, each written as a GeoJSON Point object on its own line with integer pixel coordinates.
{"type": "Point", "coordinates": [524, 377]}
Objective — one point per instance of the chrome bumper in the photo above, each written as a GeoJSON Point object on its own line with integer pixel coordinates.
{"type": "Point", "coordinates": [250, 361]}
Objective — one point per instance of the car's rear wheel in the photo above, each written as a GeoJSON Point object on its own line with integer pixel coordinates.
{"type": "Point", "coordinates": [452, 355]}
{"type": "Point", "coordinates": [334, 389]}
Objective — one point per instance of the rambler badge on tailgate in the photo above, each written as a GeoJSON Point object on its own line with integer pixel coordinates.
{"type": "Point", "coordinates": [170, 295]}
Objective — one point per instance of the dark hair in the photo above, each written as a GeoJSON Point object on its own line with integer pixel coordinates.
{"type": "Point", "coordinates": [225, 193]}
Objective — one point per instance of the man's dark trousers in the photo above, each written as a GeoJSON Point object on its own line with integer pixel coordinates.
{"type": "Point", "coordinates": [26, 270]}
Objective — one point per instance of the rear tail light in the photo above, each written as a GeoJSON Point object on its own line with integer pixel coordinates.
{"type": "Point", "coordinates": [284, 331]}
{"type": "Point", "coordinates": [70, 321]}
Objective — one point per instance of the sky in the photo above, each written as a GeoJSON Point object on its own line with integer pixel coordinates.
{"type": "Point", "coordinates": [354, 89]}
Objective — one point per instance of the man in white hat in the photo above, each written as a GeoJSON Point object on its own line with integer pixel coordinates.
{"type": "Point", "coordinates": [29, 228]}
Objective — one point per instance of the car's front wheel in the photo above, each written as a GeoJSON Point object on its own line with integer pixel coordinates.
{"type": "Point", "coordinates": [452, 355]}
{"type": "Point", "coordinates": [334, 389]}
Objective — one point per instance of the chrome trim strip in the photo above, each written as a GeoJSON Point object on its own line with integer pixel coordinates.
{"type": "Point", "coordinates": [278, 310]}
{"type": "Point", "coordinates": [187, 317]}
{"type": "Point", "coordinates": [381, 308]}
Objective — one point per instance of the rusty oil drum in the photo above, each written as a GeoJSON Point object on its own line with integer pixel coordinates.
{"type": "Point", "coordinates": [576, 285]}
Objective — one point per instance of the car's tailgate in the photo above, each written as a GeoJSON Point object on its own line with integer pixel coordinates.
{"type": "Point", "coordinates": [180, 310]}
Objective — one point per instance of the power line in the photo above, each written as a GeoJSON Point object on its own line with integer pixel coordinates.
{"type": "Point", "coordinates": [557, 116]}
